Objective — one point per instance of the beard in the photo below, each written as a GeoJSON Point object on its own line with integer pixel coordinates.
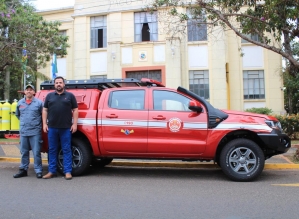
{"type": "Point", "coordinates": [59, 88]}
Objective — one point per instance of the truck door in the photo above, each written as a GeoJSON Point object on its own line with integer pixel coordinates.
{"type": "Point", "coordinates": [124, 122]}
{"type": "Point", "coordinates": [173, 128]}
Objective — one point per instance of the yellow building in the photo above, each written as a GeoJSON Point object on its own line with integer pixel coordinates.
{"type": "Point", "coordinates": [116, 39]}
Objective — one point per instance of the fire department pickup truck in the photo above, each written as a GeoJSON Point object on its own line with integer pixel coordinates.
{"type": "Point", "coordinates": [142, 119]}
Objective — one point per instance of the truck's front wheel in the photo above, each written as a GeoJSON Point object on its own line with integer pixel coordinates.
{"type": "Point", "coordinates": [242, 160]}
{"type": "Point", "coordinates": [82, 157]}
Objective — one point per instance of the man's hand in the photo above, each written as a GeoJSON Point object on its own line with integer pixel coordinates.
{"type": "Point", "coordinates": [45, 128]}
{"type": "Point", "coordinates": [74, 128]}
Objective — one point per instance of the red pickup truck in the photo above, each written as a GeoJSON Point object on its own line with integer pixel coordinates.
{"type": "Point", "coordinates": [142, 119]}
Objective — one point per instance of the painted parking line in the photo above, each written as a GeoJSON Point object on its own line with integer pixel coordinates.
{"type": "Point", "coordinates": [291, 185]}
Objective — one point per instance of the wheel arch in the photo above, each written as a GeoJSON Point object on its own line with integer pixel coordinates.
{"type": "Point", "coordinates": [83, 137]}
{"type": "Point", "coordinates": [246, 134]}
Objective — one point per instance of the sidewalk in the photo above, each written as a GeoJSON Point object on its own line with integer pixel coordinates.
{"type": "Point", "coordinates": [10, 152]}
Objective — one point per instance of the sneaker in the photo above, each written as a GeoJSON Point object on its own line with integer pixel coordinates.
{"type": "Point", "coordinates": [39, 175]}
{"type": "Point", "coordinates": [20, 174]}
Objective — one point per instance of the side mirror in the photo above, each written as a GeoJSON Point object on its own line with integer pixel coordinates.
{"type": "Point", "coordinates": [195, 106]}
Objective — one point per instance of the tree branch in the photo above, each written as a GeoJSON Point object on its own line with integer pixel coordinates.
{"type": "Point", "coordinates": [287, 53]}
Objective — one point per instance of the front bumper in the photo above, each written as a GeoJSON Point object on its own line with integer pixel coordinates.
{"type": "Point", "coordinates": [275, 143]}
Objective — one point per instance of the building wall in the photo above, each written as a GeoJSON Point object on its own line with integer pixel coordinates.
{"type": "Point", "coordinates": [67, 24]}
{"type": "Point", "coordinates": [175, 57]}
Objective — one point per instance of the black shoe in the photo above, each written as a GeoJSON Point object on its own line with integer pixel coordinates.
{"type": "Point", "coordinates": [39, 175]}
{"type": "Point", "coordinates": [20, 174]}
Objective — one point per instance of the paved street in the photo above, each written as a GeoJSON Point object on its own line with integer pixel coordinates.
{"type": "Point", "coordinates": [137, 192]}
{"type": "Point", "coordinates": [145, 189]}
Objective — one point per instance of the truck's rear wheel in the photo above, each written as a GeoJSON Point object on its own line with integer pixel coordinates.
{"type": "Point", "coordinates": [242, 160]}
{"type": "Point", "coordinates": [82, 157]}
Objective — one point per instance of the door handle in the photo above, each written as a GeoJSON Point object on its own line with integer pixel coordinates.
{"type": "Point", "coordinates": [112, 116]}
{"type": "Point", "coordinates": [159, 117]}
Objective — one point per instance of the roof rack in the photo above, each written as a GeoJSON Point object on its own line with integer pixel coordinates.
{"type": "Point", "coordinates": [102, 83]}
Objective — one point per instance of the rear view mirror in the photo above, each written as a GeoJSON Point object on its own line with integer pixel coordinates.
{"type": "Point", "coordinates": [195, 106]}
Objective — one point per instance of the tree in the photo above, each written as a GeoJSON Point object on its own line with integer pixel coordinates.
{"type": "Point", "coordinates": [291, 86]}
{"type": "Point", "coordinates": [291, 92]}
{"type": "Point", "coordinates": [20, 25]}
{"type": "Point", "coordinates": [273, 21]}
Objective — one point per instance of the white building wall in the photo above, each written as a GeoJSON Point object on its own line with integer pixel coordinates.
{"type": "Point", "coordinates": [220, 56]}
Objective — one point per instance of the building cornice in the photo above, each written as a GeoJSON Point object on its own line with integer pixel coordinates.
{"type": "Point", "coordinates": [96, 12]}
{"type": "Point", "coordinates": [115, 42]}
{"type": "Point", "coordinates": [66, 20]}
{"type": "Point", "coordinates": [55, 10]}
{"type": "Point", "coordinates": [144, 43]}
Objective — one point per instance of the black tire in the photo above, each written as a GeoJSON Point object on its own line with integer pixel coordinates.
{"type": "Point", "coordinates": [101, 162]}
{"type": "Point", "coordinates": [242, 160]}
{"type": "Point", "coordinates": [82, 157]}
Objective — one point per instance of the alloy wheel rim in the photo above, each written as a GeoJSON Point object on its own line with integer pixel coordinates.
{"type": "Point", "coordinates": [76, 157]}
{"type": "Point", "coordinates": [242, 160]}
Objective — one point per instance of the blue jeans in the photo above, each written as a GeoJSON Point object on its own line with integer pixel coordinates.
{"type": "Point", "coordinates": [33, 143]}
{"type": "Point", "coordinates": [57, 137]}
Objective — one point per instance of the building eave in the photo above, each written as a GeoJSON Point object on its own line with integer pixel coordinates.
{"type": "Point", "coordinates": [55, 10]}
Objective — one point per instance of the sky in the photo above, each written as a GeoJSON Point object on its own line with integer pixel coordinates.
{"type": "Point", "coordinates": [52, 4]}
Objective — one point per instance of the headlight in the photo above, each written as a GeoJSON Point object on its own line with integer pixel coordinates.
{"type": "Point", "coordinates": [274, 124]}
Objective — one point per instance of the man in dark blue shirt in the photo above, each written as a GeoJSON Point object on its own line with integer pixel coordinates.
{"type": "Point", "coordinates": [60, 107]}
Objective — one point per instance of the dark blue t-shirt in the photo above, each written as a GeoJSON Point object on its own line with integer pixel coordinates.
{"type": "Point", "coordinates": [60, 108]}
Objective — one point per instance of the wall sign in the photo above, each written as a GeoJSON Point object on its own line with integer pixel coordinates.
{"type": "Point", "coordinates": [142, 56]}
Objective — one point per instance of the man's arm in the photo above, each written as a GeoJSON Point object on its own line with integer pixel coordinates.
{"type": "Point", "coordinates": [45, 116]}
{"type": "Point", "coordinates": [75, 120]}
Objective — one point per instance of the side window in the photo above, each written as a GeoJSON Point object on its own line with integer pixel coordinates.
{"type": "Point", "coordinates": [146, 26]}
{"type": "Point", "coordinates": [127, 99]}
{"type": "Point", "coordinates": [170, 101]}
{"type": "Point", "coordinates": [98, 32]}
{"type": "Point", "coordinates": [254, 84]}
{"type": "Point", "coordinates": [199, 83]}
{"type": "Point", "coordinates": [196, 26]}
{"type": "Point", "coordinates": [254, 37]}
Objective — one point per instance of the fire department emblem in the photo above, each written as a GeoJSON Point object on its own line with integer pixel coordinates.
{"type": "Point", "coordinates": [174, 124]}
{"type": "Point", "coordinates": [126, 131]}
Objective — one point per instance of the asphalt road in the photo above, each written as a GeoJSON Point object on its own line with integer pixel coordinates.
{"type": "Point", "coordinates": [142, 193]}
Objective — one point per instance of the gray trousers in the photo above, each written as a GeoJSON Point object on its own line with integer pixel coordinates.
{"type": "Point", "coordinates": [33, 143]}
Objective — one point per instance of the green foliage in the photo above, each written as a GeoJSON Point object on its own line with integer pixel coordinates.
{"type": "Point", "coordinates": [262, 110]}
{"type": "Point", "coordinates": [269, 20]}
{"type": "Point", "coordinates": [291, 92]}
{"type": "Point", "coordinates": [19, 24]}
{"type": "Point", "coordinates": [290, 124]}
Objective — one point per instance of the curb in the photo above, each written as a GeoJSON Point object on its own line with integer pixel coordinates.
{"type": "Point", "coordinates": [18, 160]}
{"type": "Point", "coordinates": [274, 166]}
{"type": "Point", "coordinates": [268, 166]}
{"type": "Point", "coordinates": [9, 143]}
